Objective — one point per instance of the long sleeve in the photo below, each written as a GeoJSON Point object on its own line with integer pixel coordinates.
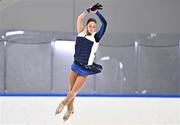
{"type": "Point", "coordinates": [102, 30]}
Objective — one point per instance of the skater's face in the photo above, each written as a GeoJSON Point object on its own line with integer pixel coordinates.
{"type": "Point", "coordinates": [91, 27]}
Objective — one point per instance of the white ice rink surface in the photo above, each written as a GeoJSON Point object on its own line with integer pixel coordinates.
{"type": "Point", "coordinates": [91, 111]}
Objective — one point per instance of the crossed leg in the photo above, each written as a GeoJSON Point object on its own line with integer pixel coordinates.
{"type": "Point", "coordinates": [76, 82]}
{"type": "Point", "coordinates": [72, 78]}
{"type": "Point", "coordinates": [79, 83]}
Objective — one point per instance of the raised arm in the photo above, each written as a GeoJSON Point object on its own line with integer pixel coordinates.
{"type": "Point", "coordinates": [80, 26]}
{"type": "Point", "coordinates": [102, 30]}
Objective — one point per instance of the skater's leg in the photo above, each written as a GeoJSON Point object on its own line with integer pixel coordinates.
{"type": "Point", "coordinates": [79, 83]}
{"type": "Point", "coordinates": [72, 78]}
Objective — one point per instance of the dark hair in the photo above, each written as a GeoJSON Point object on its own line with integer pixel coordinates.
{"type": "Point", "coordinates": [91, 20]}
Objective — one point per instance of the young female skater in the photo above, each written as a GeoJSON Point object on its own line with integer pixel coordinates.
{"type": "Point", "coordinates": [86, 45]}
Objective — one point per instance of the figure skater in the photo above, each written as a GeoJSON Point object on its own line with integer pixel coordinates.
{"type": "Point", "coordinates": [86, 46]}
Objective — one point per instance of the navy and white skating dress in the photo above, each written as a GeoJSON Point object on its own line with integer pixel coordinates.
{"type": "Point", "coordinates": [85, 49]}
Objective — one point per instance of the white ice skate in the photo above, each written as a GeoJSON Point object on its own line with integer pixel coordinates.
{"type": "Point", "coordinates": [59, 108]}
{"type": "Point", "coordinates": [67, 115]}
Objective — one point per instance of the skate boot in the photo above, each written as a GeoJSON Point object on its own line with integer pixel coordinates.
{"type": "Point", "coordinates": [68, 114]}
{"type": "Point", "coordinates": [59, 108]}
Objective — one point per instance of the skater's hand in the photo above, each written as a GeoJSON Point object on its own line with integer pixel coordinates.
{"type": "Point", "coordinates": [93, 11]}
{"type": "Point", "coordinates": [95, 8]}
